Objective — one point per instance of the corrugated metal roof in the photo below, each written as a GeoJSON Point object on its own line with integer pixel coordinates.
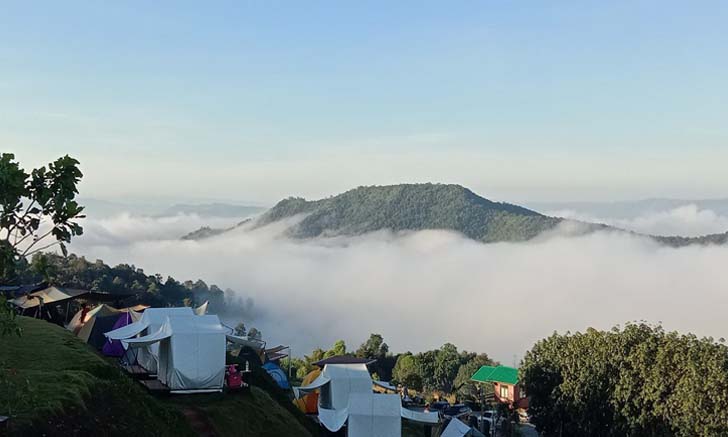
{"type": "Point", "coordinates": [504, 374]}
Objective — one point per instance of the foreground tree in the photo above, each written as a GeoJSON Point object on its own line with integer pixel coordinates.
{"type": "Point", "coordinates": [37, 210]}
{"type": "Point", "coordinates": [636, 381]}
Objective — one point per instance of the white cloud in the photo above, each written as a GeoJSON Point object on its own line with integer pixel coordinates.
{"type": "Point", "coordinates": [688, 220]}
{"type": "Point", "coordinates": [422, 289]}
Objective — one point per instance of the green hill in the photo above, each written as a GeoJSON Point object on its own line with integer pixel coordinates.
{"type": "Point", "coordinates": [411, 207]}
{"type": "Point", "coordinates": [415, 207]}
{"type": "Point", "coordinates": [53, 384]}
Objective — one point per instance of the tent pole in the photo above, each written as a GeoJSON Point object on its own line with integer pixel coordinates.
{"type": "Point", "coordinates": [68, 308]}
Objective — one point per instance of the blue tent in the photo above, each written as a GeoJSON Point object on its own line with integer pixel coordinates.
{"type": "Point", "coordinates": [277, 374]}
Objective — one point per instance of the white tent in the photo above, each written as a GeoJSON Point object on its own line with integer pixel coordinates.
{"type": "Point", "coordinates": [457, 428]}
{"type": "Point", "coordinates": [191, 353]}
{"type": "Point", "coordinates": [151, 321]}
{"type": "Point", "coordinates": [374, 415]}
{"type": "Point", "coordinates": [346, 396]}
{"type": "Point", "coordinates": [202, 309]}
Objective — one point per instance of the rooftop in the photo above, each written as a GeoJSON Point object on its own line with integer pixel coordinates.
{"type": "Point", "coordinates": [501, 374]}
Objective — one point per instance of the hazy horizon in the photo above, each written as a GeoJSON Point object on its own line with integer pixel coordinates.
{"type": "Point", "coordinates": [545, 102]}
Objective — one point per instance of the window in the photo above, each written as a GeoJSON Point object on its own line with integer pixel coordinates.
{"type": "Point", "coordinates": [504, 392]}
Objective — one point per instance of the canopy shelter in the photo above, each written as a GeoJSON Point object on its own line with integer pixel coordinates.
{"type": "Point", "coordinates": [191, 353]}
{"type": "Point", "coordinates": [346, 398]}
{"type": "Point", "coordinates": [46, 296]}
{"type": "Point", "coordinates": [151, 321]}
{"type": "Point", "coordinates": [13, 291]}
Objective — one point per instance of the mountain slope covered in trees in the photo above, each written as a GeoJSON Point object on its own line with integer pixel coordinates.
{"type": "Point", "coordinates": [415, 207]}
{"type": "Point", "coordinates": [411, 207]}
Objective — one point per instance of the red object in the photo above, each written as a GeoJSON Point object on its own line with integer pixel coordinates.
{"type": "Point", "coordinates": [234, 378]}
{"type": "Point", "coordinates": [84, 311]}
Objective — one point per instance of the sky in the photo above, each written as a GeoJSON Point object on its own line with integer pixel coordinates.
{"type": "Point", "coordinates": [256, 101]}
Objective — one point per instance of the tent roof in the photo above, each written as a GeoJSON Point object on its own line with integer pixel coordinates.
{"type": "Point", "coordinates": [199, 325]}
{"type": "Point", "coordinates": [154, 317]}
{"type": "Point", "coordinates": [49, 295]}
{"type": "Point", "coordinates": [344, 359]}
{"type": "Point", "coordinates": [501, 374]}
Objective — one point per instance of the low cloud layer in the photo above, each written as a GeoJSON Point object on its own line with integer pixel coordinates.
{"type": "Point", "coordinates": [688, 220]}
{"type": "Point", "coordinates": [422, 289]}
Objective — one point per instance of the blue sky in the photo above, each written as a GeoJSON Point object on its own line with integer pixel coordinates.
{"type": "Point", "coordinates": [261, 100]}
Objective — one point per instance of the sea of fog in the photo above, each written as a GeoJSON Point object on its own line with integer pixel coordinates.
{"type": "Point", "coordinates": [422, 289]}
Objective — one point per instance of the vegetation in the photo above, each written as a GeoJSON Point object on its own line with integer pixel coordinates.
{"type": "Point", "coordinates": [35, 207]}
{"type": "Point", "coordinates": [414, 207]}
{"type": "Point", "coordinates": [445, 371]}
{"type": "Point", "coordinates": [636, 381]}
{"type": "Point", "coordinates": [51, 383]}
{"type": "Point", "coordinates": [411, 207]}
{"type": "Point", "coordinates": [126, 279]}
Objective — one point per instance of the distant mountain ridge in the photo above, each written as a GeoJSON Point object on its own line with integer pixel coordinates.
{"type": "Point", "coordinates": [414, 207]}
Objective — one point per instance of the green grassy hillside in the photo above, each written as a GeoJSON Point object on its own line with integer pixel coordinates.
{"type": "Point", "coordinates": [53, 384]}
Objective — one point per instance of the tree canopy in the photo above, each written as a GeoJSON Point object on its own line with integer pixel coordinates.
{"type": "Point", "coordinates": [635, 381]}
{"type": "Point", "coordinates": [35, 207]}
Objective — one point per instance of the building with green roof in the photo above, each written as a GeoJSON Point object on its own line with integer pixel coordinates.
{"type": "Point", "coordinates": [505, 384]}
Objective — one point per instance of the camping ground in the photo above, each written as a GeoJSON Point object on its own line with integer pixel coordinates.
{"type": "Point", "coordinates": [54, 384]}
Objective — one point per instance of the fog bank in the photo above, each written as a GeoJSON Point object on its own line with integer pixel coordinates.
{"type": "Point", "coordinates": [422, 289]}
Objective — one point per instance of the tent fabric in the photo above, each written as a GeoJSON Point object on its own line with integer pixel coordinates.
{"type": "Point", "coordinates": [278, 375]}
{"type": "Point", "coordinates": [333, 420]}
{"type": "Point", "coordinates": [420, 416]}
{"type": "Point", "coordinates": [87, 327]}
{"type": "Point", "coordinates": [114, 348]}
{"type": "Point", "coordinates": [246, 341]}
{"type": "Point", "coordinates": [202, 309]}
{"type": "Point", "coordinates": [385, 385]}
{"type": "Point", "coordinates": [308, 404]}
{"type": "Point", "coordinates": [345, 386]}
{"type": "Point", "coordinates": [49, 295]}
{"type": "Point", "coordinates": [75, 324]}
{"type": "Point", "coordinates": [456, 428]}
{"type": "Point", "coordinates": [316, 384]}
{"type": "Point", "coordinates": [152, 319]}
{"type": "Point", "coordinates": [100, 325]}
{"type": "Point", "coordinates": [191, 352]}
{"type": "Point", "coordinates": [374, 415]}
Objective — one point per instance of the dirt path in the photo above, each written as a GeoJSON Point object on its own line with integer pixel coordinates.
{"type": "Point", "coordinates": [199, 422]}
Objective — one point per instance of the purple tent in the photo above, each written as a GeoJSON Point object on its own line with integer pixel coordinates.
{"type": "Point", "coordinates": [114, 348]}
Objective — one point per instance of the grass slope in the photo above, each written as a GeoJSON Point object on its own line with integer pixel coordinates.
{"type": "Point", "coordinates": [253, 414]}
{"type": "Point", "coordinates": [51, 383]}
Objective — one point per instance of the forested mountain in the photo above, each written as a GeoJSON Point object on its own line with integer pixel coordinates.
{"type": "Point", "coordinates": [414, 207]}
{"type": "Point", "coordinates": [411, 207]}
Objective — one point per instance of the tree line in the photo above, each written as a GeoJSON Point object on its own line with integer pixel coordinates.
{"type": "Point", "coordinates": [443, 372]}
